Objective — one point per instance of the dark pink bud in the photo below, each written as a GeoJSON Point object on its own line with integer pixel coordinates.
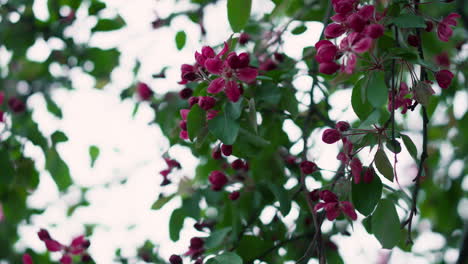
{"type": "Point", "coordinates": [369, 175]}
{"type": "Point", "coordinates": [185, 93]}
{"type": "Point", "coordinates": [268, 65]}
{"type": "Point", "coordinates": [334, 30]}
{"type": "Point", "coordinates": [290, 159]}
{"type": "Point", "coordinates": [217, 180]}
{"type": "Point", "coordinates": [165, 182]}
{"type": "Point", "coordinates": [175, 259]}
{"type": "Point", "coordinates": [216, 153]}
{"type": "Point", "coordinates": [183, 135]}
{"type": "Point", "coordinates": [43, 235]}
{"type": "Point", "coordinates": [234, 196]}
{"type": "Point", "coordinates": [279, 57]}
{"type": "Point", "coordinates": [413, 40]}
{"type": "Point", "coordinates": [328, 67]}
{"type": "Point", "coordinates": [206, 102]}
{"type": "Point", "coordinates": [444, 78]}
{"type": "Point", "coordinates": [233, 60]}
{"type": "Point", "coordinates": [343, 6]}
{"type": "Point", "coordinates": [444, 32]}
{"type": "Point", "coordinates": [328, 196]}
{"type": "Point", "coordinates": [27, 259]}
{"type": "Point", "coordinates": [308, 167]}
{"type": "Point", "coordinates": [375, 30]}
{"type": "Point", "coordinates": [16, 105]}
{"type": "Point", "coordinates": [342, 126]}
{"type": "Point", "coordinates": [356, 169]}
{"type": "Point", "coordinates": [244, 60]}
{"type": "Point", "coordinates": [193, 100]}
{"type": "Point", "coordinates": [314, 195]}
{"type": "Point", "coordinates": [326, 53]}
{"type": "Point", "coordinates": [331, 136]}
{"type": "Point", "coordinates": [183, 124]}
{"type": "Point", "coordinates": [53, 245]}
{"type": "Point", "coordinates": [66, 259]}
{"type": "Point", "coordinates": [237, 164]}
{"type": "Point", "coordinates": [226, 149]}
{"type": "Point", "coordinates": [144, 91]}
{"type": "Point", "coordinates": [429, 26]}
{"type": "Point", "coordinates": [244, 38]}
{"type": "Point", "coordinates": [356, 22]}
{"type": "Point", "coordinates": [196, 243]}
{"type": "Point", "coordinates": [208, 52]}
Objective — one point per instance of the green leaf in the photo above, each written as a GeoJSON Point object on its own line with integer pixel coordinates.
{"type": "Point", "coordinates": [289, 102]}
{"type": "Point", "coordinates": [105, 24]}
{"type": "Point", "coordinates": [377, 92]}
{"type": "Point", "coordinates": [299, 29]}
{"type": "Point", "coordinates": [238, 13]}
{"type": "Point", "coordinates": [53, 108]}
{"type": "Point", "coordinates": [224, 128]}
{"type": "Point", "coordinates": [250, 245]}
{"type": "Point", "coordinates": [282, 196]}
{"type": "Point", "coordinates": [180, 39]}
{"type": "Point", "coordinates": [58, 169]}
{"type": "Point", "coordinates": [383, 165]}
{"type": "Point", "coordinates": [359, 102]}
{"type": "Point", "coordinates": [367, 223]}
{"type": "Point", "coordinates": [94, 154]}
{"type": "Point", "coordinates": [253, 115]}
{"type": "Point", "coordinates": [58, 136]}
{"type": "Point", "coordinates": [410, 146]}
{"type": "Point", "coordinates": [195, 121]}
{"type": "Point", "coordinates": [176, 222]}
{"type": "Point", "coordinates": [394, 146]}
{"type": "Point", "coordinates": [408, 21]}
{"type": "Point", "coordinates": [7, 172]}
{"type": "Point", "coordinates": [159, 203]}
{"type": "Point", "coordinates": [228, 258]}
{"type": "Point", "coordinates": [217, 238]}
{"type": "Point", "coordinates": [366, 195]}
{"type": "Point", "coordinates": [95, 7]}
{"type": "Point", "coordinates": [234, 110]}
{"type": "Point", "coordinates": [386, 224]}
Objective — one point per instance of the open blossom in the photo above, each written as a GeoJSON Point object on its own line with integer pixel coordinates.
{"type": "Point", "coordinates": [196, 247]}
{"type": "Point", "coordinates": [444, 28]}
{"type": "Point", "coordinates": [355, 43]}
{"type": "Point", "coordinates": [333, 207]}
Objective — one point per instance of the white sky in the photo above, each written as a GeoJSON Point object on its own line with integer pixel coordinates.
{"type": "Point", "coordinates": [132, 150]}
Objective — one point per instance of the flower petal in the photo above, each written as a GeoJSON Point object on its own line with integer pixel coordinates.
{"type": "Point", "coordinates": [233, 91]}
{"type": "Point", "coordinates": [214, 66]}
{"type": "Point", "coordinates": [247, 75]}
{"type": "Point", "coordinates": [216, 86]}
{"type": "Point", "coordinates": [348, 209]}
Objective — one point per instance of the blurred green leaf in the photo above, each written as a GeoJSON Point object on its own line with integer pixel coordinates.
{"type": "Point", "coordinates": [366, 195]}
{"type": "Point", "coordinates": [386, 224]}
{"type": "Point", "coordinates": [377, 92]}
{"type": "Point", "coordinates": [196, 119]}
{"type": "Point", "coordinates": [217, 238]}
{"type": "Point", "coordinates": [161, 201]}
{"type": "Point", "coordinates": [360, 105]}
{"type": "Point", "coordinates": [176, 222]}
{"type": "Point", "coordinates": [105, 24]}
{"type": "Point", "coordinates": [410, 146]}
{"type": "Point", "coordinates": [224, 128]}
{"type": "Point", "coordinates": [180, 39]}
{"type": "Point", "coordinates": [238, 13]}
{"type": "Point", "coordinates": [383, 165]}
{"type": "Point", "coordinates": [93, 154]}
{"type": "Point", "coordinates": [408, 21]}
{"type": "Point", "coordinates": [58, 136]}
{"type": "Point", "coordinates": [58, 169]}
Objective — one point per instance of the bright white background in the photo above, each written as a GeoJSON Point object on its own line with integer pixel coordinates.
{"type": "Point", "coordinates": [131, 149]}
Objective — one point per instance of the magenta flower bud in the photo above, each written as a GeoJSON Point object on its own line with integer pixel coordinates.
{"type": "Point", "coordinates": [66, 259]}
{"type": "Point", "coordinates": [226, 149]}
{"type": "Point", "coordinates": [342, 126]}
{"type": "Point", "coordinates": [356, 22]}
{"type": "Point", "coordinates": [328, 196]}
{"type": "Point", "coordinates": [144, 91]}
{"type": "Point", "coordinates": [331, 136]}
{"type": "Point", "coordinates": [244, 38]}
{"type": "Point", "coordinates": [185, 93]}
{"type": "Point", "coordinates": [429, 26]}
{"type": "Point", "coordinates": [290, 159]}
{"type": "Point", "coordinates": [314, 195]}
{"type": "Point", "coordinates": [86, 258]}
{"type": "Point", "coordinates": [233, 60]}
{"type": "Point", "coordinates": [193, 100]}
{"type": "Point", "coordinates": [334, 30]}
{"type": "Point", "coordinates": [216, 153]}
{"type": "Point", "coordinates": [208, 52]}
{"type": "Point", "coordinates": [206, 102]}
{"type": "Point", "coordinates": [369, 175]}
{"type": "Point", "coordinates": [16, 105]}
{"type": "Point", "coordinates": [237, 164]}
{"type": "Point", "coordinates": [53, 245]}
{"type": "Point", "coordinates": [183, 124]}
{"type": "Point", "coordinates": [356, 169]}
{"type": "Point", "coordinates": [217, 180]}
{"type": "Point", "coordinates": [343, 7]}
{"type": "Point", "coordinates": [196, 243]}
{"type": "Point", "coordinates": [279, 57]}
{"type": "Point", "coordinates": [444, 78]}
{"type": "Point", "coordinates": [326, 53]}
{"type": "Point", "coordinates": [175, 259]}
{"type": "Point", "coordinates": [375, 30]}
{"type": "Point", "coordinates": [413, 40]}
{"type": "Point", "coordinates": [308, 167]}
{"type": "Point", "coordinates": [244, 60]}
{"type": "Point", "coordinates": [328, 67]}
{"type": "Point", "coordinates": [43, 235]}
{"type": "Point", "coordinates": [234, 196]}
{"type": "Point", "coordinates": [183, 135]}
{"type": "Point", "coordinates": [27, 259]}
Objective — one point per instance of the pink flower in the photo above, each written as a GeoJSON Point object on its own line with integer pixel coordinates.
{"type": "Point", "coordinates": [334, 30]}
{"type": "Point", "coordinates": [374, 30]}
{"type": "Point", "coordinates": [331, 136]}
{"type": "Point", "coordinates": [144, 91]}
{"type": "Point", "coordinates": [356, 22]}
{"type": "Point", "coordinates": [444, 30]}
{"type": "Point", "coordinates": [27, 259]}
{"type": "Point", "coordinates": [308, 167]}
{"type": "Point", "coordinates": [444, 78]}
{"type": "Point", "coordinates": [401, 99]}
{"type": "Point", "coordinates": [356, 169]}
{"type": "Point", "coordinates": [217, 180]}
{"type": "Point", "coordinates": [333, 207]}
{"type": "Point", "coordinates": [195, 248]}
{"type": "Point", "coordinates": [354, 43]}
{"type": "Point", "coordinates": [233, 91]}
{"type": "Point", "coordinates": [326, 51]}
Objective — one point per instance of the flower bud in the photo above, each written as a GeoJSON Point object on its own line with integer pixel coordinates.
{"type": "Point", "coordinates": [308, 167]}
{"type": "Point", "coordinates": [244, 38]}
{"type": "Point", "coordinates": [234, 196]}
{"type": "Point", "coordinates": [226, 149]}
{"type": "Point", "coordinates": [16, 105]}
{"type": "Point", "coordinates": [237, 164]}
{"type": "Point", "coordinates": [185, 93]}
{"type": "Point", "coordinates": [217, 180]}
{"type": "Point", "coordinates": [206, 102]}
{"type": "Point", "coordinates": [43, 235]}
{"type": "Point", "coordinates": [414, 41]}
{"type": "Point", "coordinates": [314, 195]}
{"type": "Point", "coordinates": [342, 126]}
{"type": "Point", "coordinates": [331, 136]}
{"type": "Point", "coordinates": [175, 259]}
{"type": "Point", "coordinates": [193, 100]}
{"type": "Point", "coordinates": [444, 78]}
{"type": "Point", "coordinates": [369, 175]}
{"type": "Point", "coordinates": [144, 91]}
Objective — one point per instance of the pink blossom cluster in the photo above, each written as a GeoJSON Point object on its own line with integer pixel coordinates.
{"type": "Point", "coordinates": [77, 247]}
{"type": "Point", "coordinates": [444, 27]}
{"type": "Point", "coordinates": [360, 23]}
